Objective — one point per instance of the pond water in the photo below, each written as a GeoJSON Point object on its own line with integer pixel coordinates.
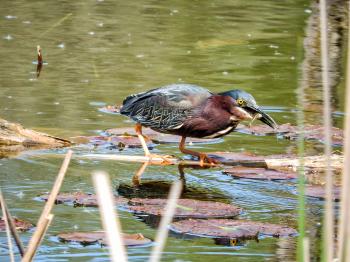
{"type": "Point", "coordinates": [98, 52]}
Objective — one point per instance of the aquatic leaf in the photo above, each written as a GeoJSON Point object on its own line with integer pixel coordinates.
{"type": "Point", "coordinates": [244, 159]}
{"type": "Point", "coordinates": [160, 138]}
{"type": "Point", "coordinates": [259, 173]}
{"type": "Point", "coordinates": [21, 225]}
{"type": "Point", "coordinates": [187, 208]}
{"type": "Point", "coordinates": [319, 191]}
{"type": "Point", "coordinates": [288, 131]}
{"type": "Point", "coordinates": [120, 141]}
{"type": "Point", "coordinates": [230, 229]}
{"type": "Point", "coordinates": [89, 238]}
{"type": "Point", "coordinates": [81, 199]}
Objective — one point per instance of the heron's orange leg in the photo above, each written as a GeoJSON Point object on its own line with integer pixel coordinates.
{"type": "Point", "coordinates": [202, 156]}
{"type": "Point", "coordinates": [166, 159]}
{"type": "Point", "coordinates": [138, 130]}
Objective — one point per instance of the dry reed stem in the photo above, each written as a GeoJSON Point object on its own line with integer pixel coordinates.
{"type": "Point", "coordinates": [8, 233]}
{"type": "Point", "coordinates": [33, 243]}
{"type": "Point", "coordinates": [30, 253]}
{"type": "Point", "coordinates": [306, 248]}
{"type": "Point", "coordinates": [292, 163]}
{"type": "Point", "coordinates": [344, 226]}
{"type": "Point", "coordinates": [167, 217]}
{"type": "Point", "coordinates": [13, 228]}
{"type": "Point", "coordinates": [328, 243]}
{"type": "Point", "coordinates": [110, 220]}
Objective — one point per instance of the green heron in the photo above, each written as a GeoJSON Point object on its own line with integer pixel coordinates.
{"type": "Point", "coordinates": [191, 111]}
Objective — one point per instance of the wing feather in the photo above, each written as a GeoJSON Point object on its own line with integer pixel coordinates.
{"type": "Point", "coordinates": [165, 108]}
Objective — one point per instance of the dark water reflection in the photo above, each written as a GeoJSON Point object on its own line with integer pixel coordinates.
{"type": "Point", "coordinates": [100, 51]}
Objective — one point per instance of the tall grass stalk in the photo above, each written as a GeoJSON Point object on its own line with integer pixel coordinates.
{"type": "Point", "coordinates": [300, 168]}
{"type": "Point", "coordinates": [328, 225]}
{"type": "Point", "coordinates": [46, 217]}
{"type": "Point", "coordinates": [7, 226]}
{"type": "Point", "coordinates": [110, 220]}
{"type": "Point", "coordinates": [167, 217]}
{"type": "Point", "coordinates": [344, 224]}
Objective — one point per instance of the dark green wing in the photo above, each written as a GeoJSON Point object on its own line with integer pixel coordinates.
{"type": "Point", "coordinates": [165, 108]}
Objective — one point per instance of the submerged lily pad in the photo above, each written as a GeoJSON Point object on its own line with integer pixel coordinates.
{"type": "Point", "coordinates": [318, 191]}
{"type": "Point", "coordinates": [234, 159]}
{"type": "Point", "coordinates": [159, 138]}
{"type": "Point", "coordinates": [288, 131]}
{"type": "Point", "coordinates": [263, 130]}
{"type": "Point", "coordinates": [259, 173]}
{"type": "Point", "coordinates": [82, 199]}
{"type": "Point", "coordinates": [230, 229]}
{"type": "Point", "coordinates": [89, 238]}
{"type": "Point", "coordinates": [21, 225]}
{"type": "Point", "coordinates": [119, 141]}
{"type": "Point", "coordinates": [186, 208]}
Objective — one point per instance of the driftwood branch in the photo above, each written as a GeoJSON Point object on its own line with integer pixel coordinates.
{"type": "Point", "coordinates": [15, 138]}
{"type": "Point", "coordinates": [273, 163]}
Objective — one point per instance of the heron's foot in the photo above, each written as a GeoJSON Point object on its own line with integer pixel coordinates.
{"type": "Point", "coordinates": [166, 159]}
{"type": "Point", "coordinates": [205, 159]}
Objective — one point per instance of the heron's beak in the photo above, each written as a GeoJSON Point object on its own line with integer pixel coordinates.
{"type": "Point", "coordinates": [262, 116]}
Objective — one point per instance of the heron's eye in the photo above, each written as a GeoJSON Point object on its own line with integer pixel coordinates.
{"type": "Point", "coordinates": [240, 101]}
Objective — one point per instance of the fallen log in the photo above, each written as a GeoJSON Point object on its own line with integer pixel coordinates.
{"type": "Point", "coordinates": [313, 164]}
{"type": "Point", "coordinates": [15, 138]}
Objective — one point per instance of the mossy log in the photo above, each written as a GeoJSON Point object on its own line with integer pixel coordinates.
{"type": "Point", "coordinates": [15, 138]}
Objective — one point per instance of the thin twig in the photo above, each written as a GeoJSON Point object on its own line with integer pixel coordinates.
{"type": "Point", "coordinates": [8, 233]}
{"type": "Point", "coordinates": [329, 212]}
{"type": "Point", "coordinates": [344, 226]}
{"type": "Point", "coordinates": [167, 217]}
{"type": "Point", "coordinates": [36, 237]}
{"type": "Point", "coordinates": [13, 228]}
{"type": "Point", "coordinates": [110, 220]}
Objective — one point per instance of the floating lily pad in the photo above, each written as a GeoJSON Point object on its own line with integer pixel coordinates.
{"type": "Point", "coordinates": [110, 109]}
{"type": "Point", "coordinates": [89, 238]}
{"type": "Point", "coordinates": [288, 131]}
{"type": "Point", "coordinates": [230, 229]}
{"type": "Point", "coordinates": [186, 208]}
{"type": "Point", "coordinates": [159, 138]}
{"type": "Point", "coordinates": [21, 225]}
{"type": "Point", "coordinates": [262, 130]}
{"type": "Point", "coordinates": [316, 132]}
{"type": "Point", "coordinates": [81, 199]}
{"type": "Point", "coordinates": [234, 159]}
{"type": "Point", "coordinates": [167, 139]}
{"type": "Point", "coordinates": [120, 141]}
{"type": "Point", "coordinates": [259, 173]}
{"type": "Point", "coordinates": [320, 192]}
